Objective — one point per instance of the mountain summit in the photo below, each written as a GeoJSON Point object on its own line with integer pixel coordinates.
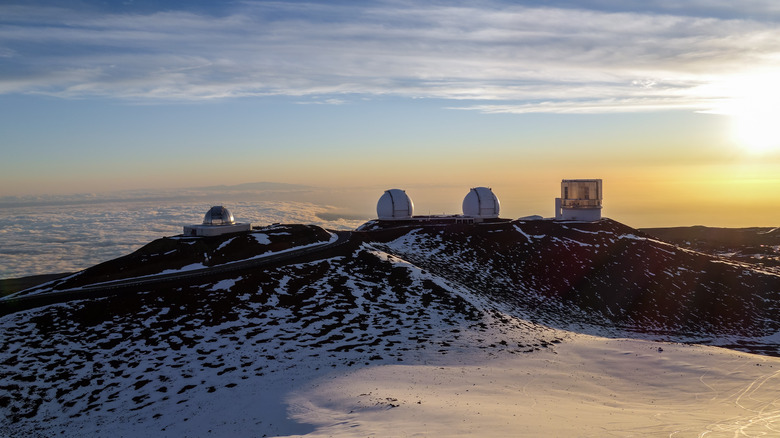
{"type": "Point", "coordinates": [182, 325]}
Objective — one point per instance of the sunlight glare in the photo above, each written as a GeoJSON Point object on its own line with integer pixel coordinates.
{"type": "Point", "coordinates": [757, 131]}
{"type": "Point", "coordinates": [754, 110]}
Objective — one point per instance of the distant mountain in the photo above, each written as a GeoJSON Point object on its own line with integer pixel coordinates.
{"type": "Point", "coordinates": [151, 194]}
{"type": "Point", "coordinates": [152, 354]}
{"type": "Point", "coordinates": [261, 186]}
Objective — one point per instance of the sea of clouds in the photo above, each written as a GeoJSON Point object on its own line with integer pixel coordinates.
{"type": "Point", "coordinates": [44, 239]}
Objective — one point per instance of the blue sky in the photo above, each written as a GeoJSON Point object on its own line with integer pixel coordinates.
{"type": "Point", "coordinates": [671, 102]}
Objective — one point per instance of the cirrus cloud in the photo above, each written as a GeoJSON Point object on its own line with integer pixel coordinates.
{"type": "Point", "coordinates": [493, 58]}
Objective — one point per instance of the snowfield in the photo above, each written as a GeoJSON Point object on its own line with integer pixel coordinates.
{"type": "Point", "coordinates": [587, 387]}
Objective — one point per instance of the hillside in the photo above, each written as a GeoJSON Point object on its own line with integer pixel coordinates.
{"type": "Point", "coordinates": [169, 357]}
{"type": "Point", "coordinates": [604, 274]}
{"type": "Point", "coordinates": [758, 246]}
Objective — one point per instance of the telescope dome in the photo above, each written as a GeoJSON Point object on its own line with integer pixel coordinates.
{"type": "Point", "coordinates": [481, 202]}
{"type": "Point", "coordinates": [394, 204]}
{"type": "Point", "coordinates": [218, 215]}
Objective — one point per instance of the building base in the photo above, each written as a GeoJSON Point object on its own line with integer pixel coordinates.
{"type": "Point", "coordinates": [580, 214]}
{"type": "Point", "coordinates": [214, 230]}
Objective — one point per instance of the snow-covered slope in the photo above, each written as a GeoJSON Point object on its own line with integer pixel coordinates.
{"type": "Point", "coordinates": [233, 354]}
{"type": "Point", "coordinates": [575, 275]}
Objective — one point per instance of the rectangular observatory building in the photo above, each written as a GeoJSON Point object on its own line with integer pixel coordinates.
{"type": "Point", "coordinates": [580, 200]}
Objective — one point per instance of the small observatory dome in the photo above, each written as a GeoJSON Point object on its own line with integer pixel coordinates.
{"type": "Point", "coordinates": [481, 202]}
{"type": "Point", "coordinates": [218, 215]}
{"type": "Point", "coordinates": [394, 204]}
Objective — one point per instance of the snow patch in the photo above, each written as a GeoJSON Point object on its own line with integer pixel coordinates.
{"type": "Point", "coordinates": [225, 284]}
{"type": "Point", "coordinates": [190, 267]}
{"type": "Point", "coordinates": [262, 239]}
{"type": "Point", "coordinates": [225, 243]}
{"type": "Point", "coordinates": [529, 236]}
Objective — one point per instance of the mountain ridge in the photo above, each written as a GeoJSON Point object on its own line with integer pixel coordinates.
{"type": "Point", "coordinates": [410, 295]}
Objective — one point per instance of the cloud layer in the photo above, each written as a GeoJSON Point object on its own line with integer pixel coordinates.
{"type": "Point", "coordinates": [491, 58]}
{"type": "Point", "coordinates": [65, 238]}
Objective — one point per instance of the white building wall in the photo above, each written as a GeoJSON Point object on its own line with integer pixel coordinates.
{"type": "Point", "coordinates": [580, 214]}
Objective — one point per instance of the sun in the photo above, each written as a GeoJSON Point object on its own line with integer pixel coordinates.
{"type": "Point", "coordinates": [756, 130]}
{"type": "Point", "coordinates": [755, 113]}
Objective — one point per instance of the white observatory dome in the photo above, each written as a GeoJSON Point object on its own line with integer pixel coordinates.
{"type": "Point", "coordinates": [394, 204]}
{"type": "Point", "coordinates": [218, 215]}
{"type": "Point", "coordinates": [481, 202]}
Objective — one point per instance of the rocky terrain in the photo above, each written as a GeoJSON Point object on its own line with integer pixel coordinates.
{"type": "Point", "coordinates": [758, 246]}
{"type": "Point", "coordinates": [160, 356]}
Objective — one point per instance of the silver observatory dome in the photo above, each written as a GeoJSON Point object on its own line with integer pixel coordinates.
{"type": "Point", "coordinates": [218, 215]}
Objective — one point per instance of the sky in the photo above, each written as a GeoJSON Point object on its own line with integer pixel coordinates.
{"type": "Point", "coordinates": [673, 104]}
